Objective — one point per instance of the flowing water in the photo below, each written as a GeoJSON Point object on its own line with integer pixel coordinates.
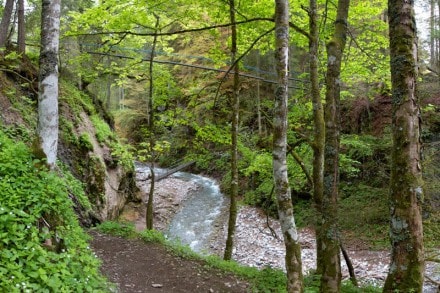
{"type": "Point", "coordinates": [193, 224]}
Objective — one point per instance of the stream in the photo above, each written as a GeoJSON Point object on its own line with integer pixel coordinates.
{"type": "Point", "coordinates": [197, 208]}
{"type": "Point", "coordinates": [191, 209]}
{"type": "Point", "coordinates": [193, 223]}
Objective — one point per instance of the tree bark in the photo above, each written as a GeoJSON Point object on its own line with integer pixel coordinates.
{"type": "Point", "coordinates": [318, 122]}
{"type": "Point", "coordinates": [48, 80]}
{"type": "Point", "coordinates": [234, 138]}
{"type": "Point", "coordinates": [327, 228]}
{"type": "Point", "coordinates": [281, 181]}
{"type": "Point", "coordinates": [406, 193]}
{"type": "Point", "coordinates": [149, 214]}
{"type": "Point", "coordinates": [21, 28]}
{"type": "Point", "coordinates": [5, 22]}
{"type": "Point", "coordinates": [432, 29]}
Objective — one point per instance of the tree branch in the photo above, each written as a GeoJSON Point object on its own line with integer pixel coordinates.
{"type": "Point", "coordinates": [238, 60]}
{"type": "Point", "coordinates": [300, 162]}
{"type": "Point", "coordinates": [190, 65]}
{"type": "Point", "coordinates": [191, 30]}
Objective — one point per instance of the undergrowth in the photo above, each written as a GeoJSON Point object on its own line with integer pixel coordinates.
{"type": "Point", "coordinates": [42, 246]}
{"type": "Point", "coordinates": [265, 280]}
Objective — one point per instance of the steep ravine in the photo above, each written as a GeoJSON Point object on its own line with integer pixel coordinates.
{"type": "Point", "coordinates": [256, 244]}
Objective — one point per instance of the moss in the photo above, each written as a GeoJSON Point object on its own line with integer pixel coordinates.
{"type": "Point", "coordinates": [96, 180]}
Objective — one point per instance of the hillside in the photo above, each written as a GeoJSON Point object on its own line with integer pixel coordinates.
{"type": "Point", "coordinates": [43, 245]}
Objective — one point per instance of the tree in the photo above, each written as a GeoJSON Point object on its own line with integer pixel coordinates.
{"type": "Point", "coordinates": [234, 138]}
{"type": "Point", "coordinates": [318, 122]}
{"type": "Point", "coordinates": [281, 181]}
{"type": "Point", "coordinates": [5, 22]}
{"type": "Point", "coordinates": [21, 38]}
{"type": "Point", "coordinates": [329, 261]}
{"type": "Point", "coordinates": [149, 213]}
{"type": "Point", "coordinates": [48, 80]}
{"type": "Point", "coordinates": [406, 193]}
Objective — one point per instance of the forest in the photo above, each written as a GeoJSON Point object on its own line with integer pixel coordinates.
{"type": "Point", "coordinates": [313, 124]}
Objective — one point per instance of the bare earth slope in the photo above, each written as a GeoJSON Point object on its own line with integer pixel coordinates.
{"type": "Point", "coordinates": [136, 266]}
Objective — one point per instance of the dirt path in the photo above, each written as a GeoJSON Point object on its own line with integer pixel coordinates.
{"type": "Point", "coordinates": [136, 266]}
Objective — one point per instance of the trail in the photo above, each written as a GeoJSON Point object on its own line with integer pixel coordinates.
{"type": "Point", "coordinates": [136, 266]}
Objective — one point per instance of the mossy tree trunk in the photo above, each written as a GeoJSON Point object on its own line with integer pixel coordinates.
{"type": "Point", "coordinates": [6, 21]}
{"type": "Point", "coordinates": [281, 182]}
{"type": "Point", "coordinates": [406, 194]}
{"type": "Point", "coordinates": [48, 80]}
{"type": "Point", "coordinates": [318, 118]}
{"type": "Point", "coordinates": [329, 260]}
{"type": "Point", "coordinates": [21, 34]}
{"type": "Point", "coordinates": [234, 138]}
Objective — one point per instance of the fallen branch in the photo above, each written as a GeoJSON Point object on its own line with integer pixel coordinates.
{"type": "Point", "coordinates": [22, 77]}
{"type": "Point", "coordinates": [349, 265]}
{"type": "Point", "coordinates": [432, 281]}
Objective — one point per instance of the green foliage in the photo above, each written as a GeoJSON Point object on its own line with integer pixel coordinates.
{"type": "Point", "coordinates": [117, 229]}
{"type": "Point", "coordinates": [78, 101]}
{"type": "Point", "coordinates": [364, 211]}
{"type": "Point", "coordinates": [85, 142]}
{"type": "Point", "coordinates": [103, 132]}
{"type": "Point", "coordinates": [152, 236]}
{"type": "Point", "coordinates": [146, 152]}
{"type": "Point", "coordinates": [17, 132]}
{"type": "Point", "coordinates": [42, 246]}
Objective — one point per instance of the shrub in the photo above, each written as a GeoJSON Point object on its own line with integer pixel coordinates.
{"type": "Point", "coordinates": [42, 247]}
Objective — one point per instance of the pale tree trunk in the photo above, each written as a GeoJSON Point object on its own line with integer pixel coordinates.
{"type": "Point", "coordinates": [234, 138]}
{"type": "Point", "coordinates": [281, 182]}
{"type": "Point", "coordinates": [21, 28]}
{"type": "Point", "coordinates": [151, 128]}
{"type": "Point", "coordinates": [318, 122]}
{"type": "Point", "coordinates": [327, 228]}
{"type": "Point", "coordinates": [5, 22]}
{"type": "Point", "coordinates": [406, 193]}
{"type": "Point", "coordinates": [48, 80]}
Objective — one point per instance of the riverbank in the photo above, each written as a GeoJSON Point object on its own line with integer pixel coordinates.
{"type": "Point", "coordinates": [258, 240]}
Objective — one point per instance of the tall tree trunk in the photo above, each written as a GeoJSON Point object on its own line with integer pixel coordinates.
{"type": "Point", "coordinates": [406, 193]}
{"type": "Point", "coordinates": [149, 214]}
{"type": "Point", "coordinates": [328, 234]}
{"type": "Point", "coordinates": [281, 181]}
{"type": "Point", "coordinates": [432, 30]}
{"type": "Point", "coordinates": [234, 139]}
{"type": "Point", "coordinates": [21, 28]}
{"type": "Point", "coordinates": [259, 122]}
{"type": "Point", "coordinates": [48, 80]}
{"type": "Point", "coordinates": [318, 122]}
{"type": "Point", "coordinates": [5, 22]}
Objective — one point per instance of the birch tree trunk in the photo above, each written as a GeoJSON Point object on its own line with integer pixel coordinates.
{"type": "Point", "coordinates": [329, 258]}
{"type": "Point", "coordinates": [234, 139]}
{"type": "Point", "coordinates": [5, 22]}
{"type": "Point", "coordinates": [281, 182]}
{"type": "Point", "coordinates": [406, 193]}
{"type": "Point", "coordinates": [48, 80]}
